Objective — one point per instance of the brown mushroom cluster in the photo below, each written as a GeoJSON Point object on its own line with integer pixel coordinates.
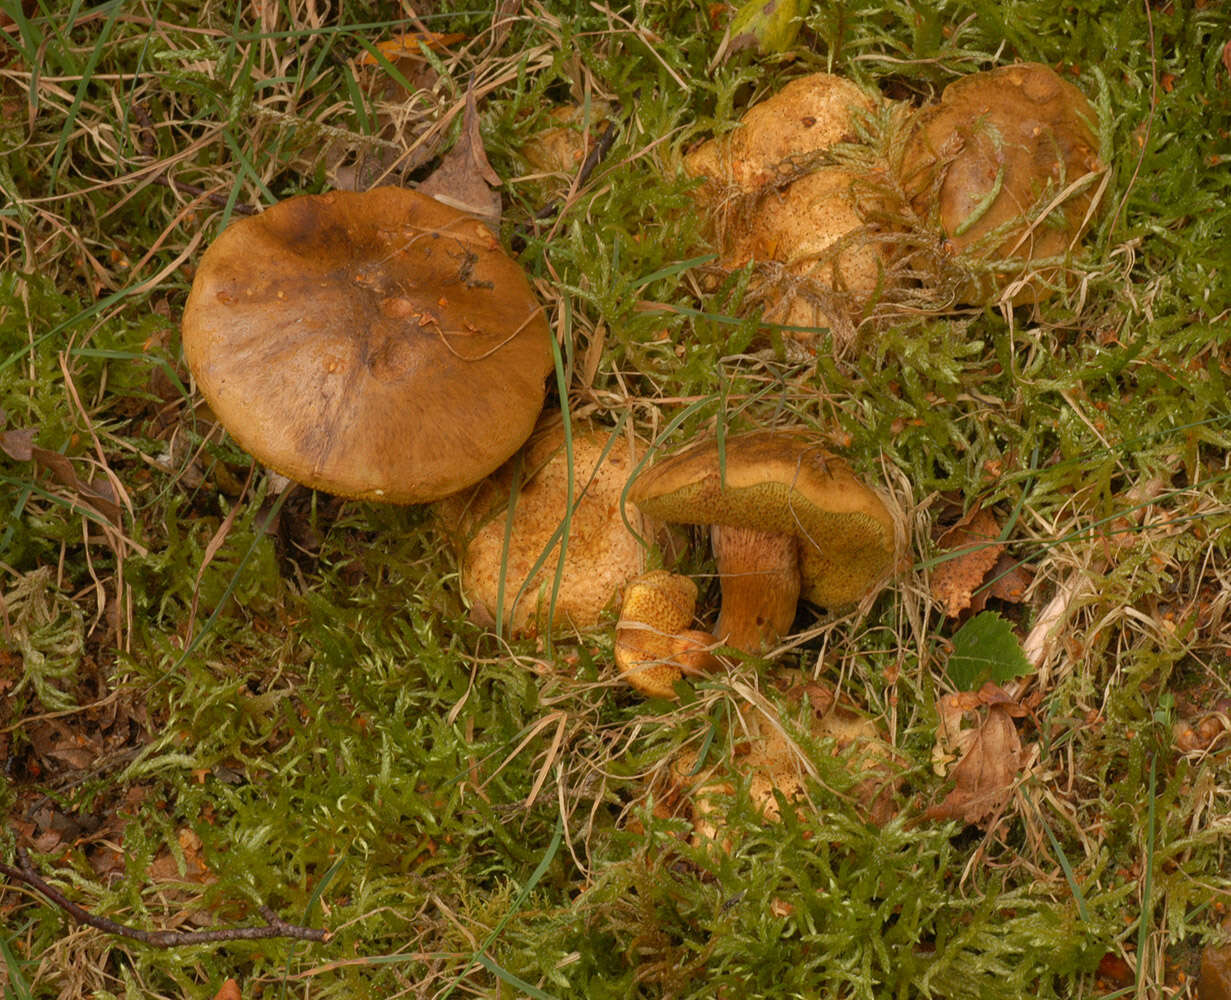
{"type": "Point", "coordinates": [995, 183]}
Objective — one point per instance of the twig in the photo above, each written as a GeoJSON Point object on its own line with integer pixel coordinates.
{"type": "Point", "coordinates": [598, 152]}
{"type": "Point", "coordinates": [275, 927]}
{"type": "Point", "coordinates": [212, 196]}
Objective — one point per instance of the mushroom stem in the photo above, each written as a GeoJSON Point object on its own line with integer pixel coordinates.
{"type": "Point", "coordinates": [759, 573]}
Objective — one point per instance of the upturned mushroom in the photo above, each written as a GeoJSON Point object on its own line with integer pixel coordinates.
{"type": "Point", "coordinates": [1005, 167]}
{"type": "Point", "coordinates": [788, 518]}
{"type": "Point", "coordinates": [509, 558]}
{"type": "Point", "coordinates": [376, 345]}
{"type": "Point", "coordinates": [654, 646]}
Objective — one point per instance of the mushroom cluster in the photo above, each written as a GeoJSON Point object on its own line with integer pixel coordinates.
{"type": "Point", "coordinates": [807, 224]}
{"type": "Point", "coordinates": [1000, 174]}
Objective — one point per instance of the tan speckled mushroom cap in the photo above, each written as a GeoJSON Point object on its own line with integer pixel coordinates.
{"type": "Point", "coordinates": [378, 345]}
{"type": "Point", "coordinates": [781, 482]}
{"type": "Point", "coordinates": [987, 160]}
{"type": "Point", "coordinates": [602, 553]}
{"type": "Point", "coordinates": [809, 114]}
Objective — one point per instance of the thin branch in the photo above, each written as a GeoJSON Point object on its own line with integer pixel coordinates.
{"type": "Point", "coordinates": [275, 927]}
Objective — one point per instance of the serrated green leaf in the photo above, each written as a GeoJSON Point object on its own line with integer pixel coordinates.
{"type": "Point", "coordinates": [985, 649]}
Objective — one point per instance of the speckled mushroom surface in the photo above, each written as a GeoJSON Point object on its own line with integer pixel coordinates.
{"type": "Point", "coordinates": [810, 113]}
{"type": "Point", "coordinates": [783, 482]}
{"type": "Point", "coordinates": [1001, 165]}
{"type": "Point", "coordinates": [509, 562]}
{"type": "Point", "coordinates": [377, 345]}
{"type": "Point", "coordinates": [772, 201]}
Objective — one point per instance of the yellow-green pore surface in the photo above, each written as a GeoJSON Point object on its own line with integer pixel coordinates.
{"type": "Point", "coordinates": [786, 483]}
{"type": "Point", "coordinates": [377, 344]}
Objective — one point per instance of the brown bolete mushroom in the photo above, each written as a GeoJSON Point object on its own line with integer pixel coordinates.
{"type": "Point", "coordinates": [1004, 166]}
{"type": "Point", "coordinates": [377, 345]}
{"type": "Point", "coordinates": [787, 516]}
{"type": "Point", "coordinates": [654, 647]}
{"type": "Point", "coordinates": [806, 224]}
{"type": "Point", "coordinates": [509, 559]}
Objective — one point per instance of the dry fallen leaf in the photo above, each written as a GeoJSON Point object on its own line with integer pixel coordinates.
{"type": "Point", "coordinates": [464, 178]}
{"type": "Point", "coordinates": [992, 755]}
{"type": "Point", "coordinates": [229, 991]}
{"type": "Point", "coordinates": [972, 549]}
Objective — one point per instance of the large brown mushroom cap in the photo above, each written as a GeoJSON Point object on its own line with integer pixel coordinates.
{"type": "Point", "coordinates": [780, 482]}
{"type": "Point", "coordinates": [377, 345]}
{"type": "Point", "coordinates": [990, 157]}
{"type": "Point", "coordinates": [522, 554]}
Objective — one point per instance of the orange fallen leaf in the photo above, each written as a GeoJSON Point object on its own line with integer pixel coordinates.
{"type": "Point", "coordinates": [229, 991]}
{"type": "Point", "coordinates": [971, 549]}
{"type": "Point", "coordinates": [406, 46]}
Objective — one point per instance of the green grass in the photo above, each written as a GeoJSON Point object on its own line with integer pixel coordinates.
{"type": "Point", "coordinates": [471, 815]}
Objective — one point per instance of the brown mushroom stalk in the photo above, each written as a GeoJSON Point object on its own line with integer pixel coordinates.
{"type": "Point", "coordinates": [794, 496]}
{"type": "Point", "coordinates": [760, 585]}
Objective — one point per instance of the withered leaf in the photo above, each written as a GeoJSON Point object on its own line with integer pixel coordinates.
{"type": "Point", "coordinates": [971, 549]}
{"type": "Point", "coordinates": [984, 777]}
{"type": "Point", "coordinates": [464, 178]}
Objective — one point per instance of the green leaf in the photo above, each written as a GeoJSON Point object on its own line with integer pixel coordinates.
{"type": "Point", "coordinates": [768, 26]}
{"type": "Point", "coordinates": [985, 649]}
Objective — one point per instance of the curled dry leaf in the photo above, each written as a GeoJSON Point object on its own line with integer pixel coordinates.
{"type": "Point", "coordinates": [991, 751]}
{"type": "Point", "coordinates": [971, 549]}
{"type": "Point", "coordinates": [464, 180]}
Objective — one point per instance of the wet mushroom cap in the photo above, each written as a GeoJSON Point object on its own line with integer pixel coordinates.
{"type": "Point", "coordinates": [377, 345]}
{"type": "Point", "coordinates": [780, 482]}
{"type": "Point", "coordinates": [993, 155]}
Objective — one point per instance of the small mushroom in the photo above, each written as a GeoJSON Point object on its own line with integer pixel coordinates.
{"type": "Point", "coordinates": [508, 563]}
{"type": "Point", "coordinates": [654, 647]}
{"type": "Point", "coordinates": [377, 345]}
{"type": "Point", "coordinates": [998, 165]}
{"type": "Point", "coordinates": [787, 517]}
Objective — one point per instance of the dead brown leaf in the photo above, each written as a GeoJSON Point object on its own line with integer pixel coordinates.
{"type": "Point", "coordinates": [97, 495]}
{"type": "Point", "coordinates": [229, 991]}
{"type": "Point", "coordinates": [971, 550]}
{"type": "Point", "coordinates": [992, 755]}
{"type": "Point", "coordinates": [464, 178]}
{"type": "Point", "coordinates": [1008, 580]}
